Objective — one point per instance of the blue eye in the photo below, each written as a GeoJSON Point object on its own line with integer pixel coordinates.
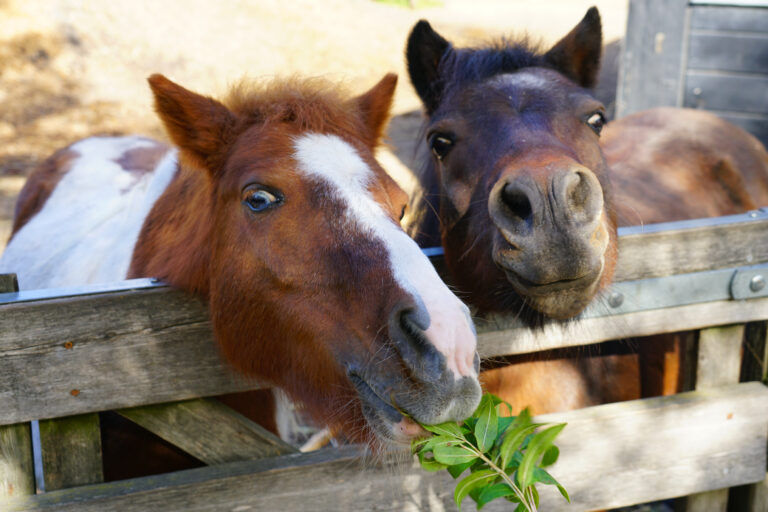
{"type": "Point", "coordinates": [258, 200]}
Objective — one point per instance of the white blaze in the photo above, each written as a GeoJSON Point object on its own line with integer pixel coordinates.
{"type": "Point", "coordinates": [337, 163]}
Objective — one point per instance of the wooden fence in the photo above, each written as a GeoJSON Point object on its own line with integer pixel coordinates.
{"type": "Point", "coordinates": [147, 352]}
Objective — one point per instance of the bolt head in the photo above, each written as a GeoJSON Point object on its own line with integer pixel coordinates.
{"type": "Point", "coordinates": [757, 283]}
{"type": "Point", "coordinates": [615, 299]}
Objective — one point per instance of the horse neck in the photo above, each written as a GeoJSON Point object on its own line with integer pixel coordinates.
{"type": "Point", "coordinates": [174, 243]}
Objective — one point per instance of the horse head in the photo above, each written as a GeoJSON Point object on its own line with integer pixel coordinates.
{"type": "Point", "coordinates": [516, 176]}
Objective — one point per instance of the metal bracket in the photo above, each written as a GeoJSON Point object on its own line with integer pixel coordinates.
{"type": "Point", "coordinates": [750, 282]}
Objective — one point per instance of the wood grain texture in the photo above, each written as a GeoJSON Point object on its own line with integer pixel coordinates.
{"type": "Point", "coordinates": [502, 336]}
{"type": "Point", "coordinates": [718, 364]}
{"type": "Point", "coordinates": [209, 431]}
{"type": "Point", "coordinates": [71, 451]}
{"type": "Point", "coordinates": [680, 251]}
{"type": "Point", "coordinates": [611, 455]}
{"type": "Point", "coordinates": [109, 351]}
{"type": "Point", "coordinates": [653, 55]}
{"type": "Point", "coordinates": [17, 477]}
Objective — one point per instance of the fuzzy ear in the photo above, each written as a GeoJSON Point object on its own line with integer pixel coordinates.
{"type": "Point", "coordinates": [423, 54]}
{"type": "Point", "coordinates": [198, 125]}
{"type": "Point", "coordinates": [374, 106]}
{"type": "Point", "coordinates": [577, 55]}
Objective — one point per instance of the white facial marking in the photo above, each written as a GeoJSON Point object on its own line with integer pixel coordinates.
{"type": "Point", "coordinates": [336, 162]}
{"type": "Point", "coordinates": [86, 230]}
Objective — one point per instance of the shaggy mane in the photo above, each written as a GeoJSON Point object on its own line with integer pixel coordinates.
{"type": "Point", "coordinates": [310, 103]}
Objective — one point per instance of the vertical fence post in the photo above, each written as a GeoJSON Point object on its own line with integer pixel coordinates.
{"type": "Point", "coordinates": [718, 363]}
{"type": "Point", "coordinates": [17, 476]}
{"type": "Point", "coordinates": [755, 367]}
{"type": "Point", "coordinates": [71, 451]}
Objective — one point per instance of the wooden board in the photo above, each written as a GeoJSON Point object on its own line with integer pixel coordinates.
{"type": "Point", "coordinates": [17, 476]}
{"type": "Point", "coordinates": [188, 425]}
{"type": "Point", "coordinates": [653, 56]}
{"type": "Point", "coordinates": [113, 364]}
{"type": "Point", "coordinates": [727, 92]}
{"type": "Point", "coordinates": [635, 447]}
{"type": "Point", "coordinates": [728, 52]}
{"type": "Point", "coordinates": [729, 19]}
{"type": "Point", "coordinates": [71, 451]}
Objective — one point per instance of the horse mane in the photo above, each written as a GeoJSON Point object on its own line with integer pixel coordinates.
{"type": "Point", "coordinates": [462, 66]}
{"type": "Point", "coordinates": [310, 103]}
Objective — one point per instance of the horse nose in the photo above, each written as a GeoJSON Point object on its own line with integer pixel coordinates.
{"type": "Point", "coordinates": [412, 330]}
{"type": "Point", "coordinates": [578, 195]}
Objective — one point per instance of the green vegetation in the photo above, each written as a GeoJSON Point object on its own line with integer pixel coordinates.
{"type": "Point", "coordinates": [505, 455]}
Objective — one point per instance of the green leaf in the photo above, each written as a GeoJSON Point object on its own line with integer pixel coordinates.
{"type": "Point", "coordinates": [550, 456]}
{"type": "Point", "coordinates": [457, 469]}
{"type": "Point", "coordinates": [452, 455]}
{"type": "Point", "coordinates": [492, 492]}
{"type": "Point", "coordinates": [438, 441]}
{"type": "Point", "coordinates": [544, 477]}
{"type": "Point", "coordinates": [430, 464]}
{"type": "Point", "coordinates": [513, 441]}
{"type": "Point", "coordinates": [448, 428]}
{"type": "Point", "coordinates": [538, 444]}
{"type": "Point", "coordinates": [472, 482]}
{"type": "Point", "coordinates": [487, 423]}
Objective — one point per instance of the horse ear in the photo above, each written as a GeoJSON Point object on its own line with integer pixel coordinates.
{"type": "Point", "coordinates": [423, 54]}
{"type": "Point", "coordinates": [577, 55]}
{"type": "Point", "coordinates": [374, 106]}
{"type": "Point", "coordinates": [198, 125]}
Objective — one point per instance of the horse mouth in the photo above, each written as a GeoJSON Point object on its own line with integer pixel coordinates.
{"type": "Point", "coordinates": [534, 289]}
{"type": "Point", "coordinates": [386, 420]}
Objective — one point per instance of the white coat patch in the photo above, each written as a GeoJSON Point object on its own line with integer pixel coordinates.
{"type": "Point", "coordinates": [337, 163]}
{"type": "Point", "coordinates": [87, 229]}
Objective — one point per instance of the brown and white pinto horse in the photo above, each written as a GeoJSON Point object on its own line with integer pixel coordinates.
{"type": "Point", "coordinates": [274, 209]}
{"type": "Point", "coordinates": [525, 193]}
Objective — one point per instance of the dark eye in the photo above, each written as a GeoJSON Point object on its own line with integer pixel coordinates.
{"type": "Point", "coordinates": [259, 199]}
{"type": "Point", "coordinates": [402, 212]}
{"type": "Point", "coordinates": [440, 144]}
{"type": "Point", "coordinates": [596, 121]}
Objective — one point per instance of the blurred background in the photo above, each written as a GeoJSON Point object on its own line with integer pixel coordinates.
{"type": "Point", "coordinates": [74, 68]}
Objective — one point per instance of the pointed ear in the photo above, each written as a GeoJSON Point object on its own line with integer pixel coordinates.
{"type": "Point", "coordinates": [198, 125]}
{"type": "Point", "coordinates": [423, 54]}
{"type": "Point", "coordinates": [577, 55]}
{"type": "Point", "coordinates": [374, 106]}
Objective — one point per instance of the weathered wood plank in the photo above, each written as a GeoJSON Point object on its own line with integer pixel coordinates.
{"type": "Point", "coordinates": [727, 92]}
{"type": "Point", "coordinates": [741, 19]}
{"type": "Point", "coordinates": [188, 425]}
{"type": "Point", "coordinates": [500, 337]}
{"type": "Point", "coordinates": [719, 363]}
{"type": "Point", "coordinates": [667, 250]}
{"type": "Point", "coordinates": [17, 477]}
{"type": "Point", "coordinates": [728, 52]}
{"type": "Point", "coordinates": [653, 55]}
{"type": "Point", "coordinates": [632, 446]}
{"type": "Point", "coordinates": [71, 451]}
{"type": "Point", "coordinates": [112, 357]}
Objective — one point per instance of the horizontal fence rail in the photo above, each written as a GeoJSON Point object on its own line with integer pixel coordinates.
{"type": "Point", "coordinates": [611, 455]}
{"type": "Point", "coordinates": [74, 351]}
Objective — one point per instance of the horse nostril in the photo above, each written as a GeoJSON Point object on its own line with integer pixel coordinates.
{"type": "Point", "coordinates": [407, 332]}
{"type": "Point", "coordinates": [518, 203]}
{"type": "Point", "coordinates": [583, 195]}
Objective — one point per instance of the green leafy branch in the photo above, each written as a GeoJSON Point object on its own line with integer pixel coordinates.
{"type": "Point", "coordinates": [505, 455]}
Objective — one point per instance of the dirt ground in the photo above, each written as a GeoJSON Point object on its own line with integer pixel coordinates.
{"type": "Point", "coordinates": [74, 68]}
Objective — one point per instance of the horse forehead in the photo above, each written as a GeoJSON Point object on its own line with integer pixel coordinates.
{"type": "Point", "coordinates": [334, 161]}
{"type": "Point", "coordinates": [529, 79]}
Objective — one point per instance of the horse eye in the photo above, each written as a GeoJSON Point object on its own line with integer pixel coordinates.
{"type": "Point", "coordinates": [596, 121]}
{"type": "Point", "coordinates": [440, 145]}
{"type": "Point", "coordinates": [402, 213]}
{"type": "Point", "coordinates": [257, 199]}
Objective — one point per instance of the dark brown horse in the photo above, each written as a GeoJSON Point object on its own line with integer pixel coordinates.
{"type": "Point", "coordinates": [525, 189]}
{"type": "Point", "coordinates": [273, 209]}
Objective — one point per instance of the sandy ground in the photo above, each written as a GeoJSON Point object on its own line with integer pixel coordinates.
{"type": "Point", "coordinates": [73, 68]}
